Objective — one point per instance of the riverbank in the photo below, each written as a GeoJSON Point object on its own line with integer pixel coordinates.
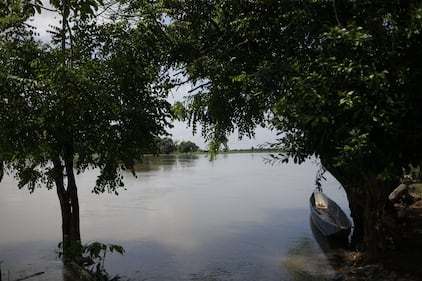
{"type": "Point", "coordinates": [403, 227]}
{"type": "Point", "coordinates": [399, 266]}
{"type": "Point", "coordinates": [355, 269]}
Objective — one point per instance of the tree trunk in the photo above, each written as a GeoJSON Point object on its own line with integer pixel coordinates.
{"type": "Point", "coordinates": [367, 198]}
{"type": "Point", "coordinates": [73, 196]}
{"type": "Point", "coordinates": [356, 205]}
{"type": "Point", "coordinates": [356, 199]}
{"type": "Point", "coordinates": [374, 234]}
{"type": "Point", "coordinates": [69, 205]}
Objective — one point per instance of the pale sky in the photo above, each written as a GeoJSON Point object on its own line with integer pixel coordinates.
{"type": "Point", "coordinates": [180, 132]}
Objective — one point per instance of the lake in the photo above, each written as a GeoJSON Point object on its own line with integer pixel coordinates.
{"type": "Point", "coordinates": [181, 218]}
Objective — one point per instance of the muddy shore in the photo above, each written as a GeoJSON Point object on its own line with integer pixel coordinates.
{"type": "Point", "coordinates": [397, 267]}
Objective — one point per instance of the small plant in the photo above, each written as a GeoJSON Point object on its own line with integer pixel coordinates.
{"type": "Point", "coordinates": [412, 174]}
{"type": "Point", "coordinates": [96, 252]}
{"type": "Point", "coordinates": [92, 258]}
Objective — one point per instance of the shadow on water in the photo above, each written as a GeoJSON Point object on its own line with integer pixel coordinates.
{"type": "Point", "coordinates": [333, 247]}
{"type": "Point", "coordinates": [306, 263]}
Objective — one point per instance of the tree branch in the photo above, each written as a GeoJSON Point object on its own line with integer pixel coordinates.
{"type": "Point", "coordinates": [200, 86]}
{"type": "Point", "coordinates": [335, 13]}
{"type": "Point", "coordinates": [30, 276]}
{"type": "Point", "coordinates": [47, 9]}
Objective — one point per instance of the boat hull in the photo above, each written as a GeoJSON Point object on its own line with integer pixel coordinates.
{"type": "Point", "coordinates": [327, 216]}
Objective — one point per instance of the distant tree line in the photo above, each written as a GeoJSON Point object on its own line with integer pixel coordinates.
{"type": "Point", "coordinates": [167, 146]}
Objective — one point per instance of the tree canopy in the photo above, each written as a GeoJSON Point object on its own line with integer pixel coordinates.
{"type": "Point", "coordinates": [339, 80]}
{"type": "Point", "coordinates": [92, 97]}
{"type": "Point", "coordinates": [165, 145]}
{"type": "Point", "coordinates": [187, 147]}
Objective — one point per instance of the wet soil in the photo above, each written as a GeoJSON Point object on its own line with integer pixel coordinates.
{"type": "Point", "coordinates": [398, 268]}
{"type": "Point", "coordinates": [399, 264]}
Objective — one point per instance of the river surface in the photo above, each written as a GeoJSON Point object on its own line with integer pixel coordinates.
{"type": "Point", "coordinates": [181, 218]}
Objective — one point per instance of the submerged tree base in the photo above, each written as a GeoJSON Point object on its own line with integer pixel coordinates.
{"type": "Point", "coordinates": [88, 265]}
{"type": "Point", "coordinates": [79, 272]}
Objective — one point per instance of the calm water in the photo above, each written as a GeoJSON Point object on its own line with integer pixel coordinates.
{"type": "Point", "coordinates": [182, 218]}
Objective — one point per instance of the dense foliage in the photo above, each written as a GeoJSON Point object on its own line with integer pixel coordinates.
{"type": "Point", "coordinates": [339, 80]}
{"type": "Point", "coordinates": [94, 96]}
{"type": "Point", "coordinates": [165, 146]}
{"type": "Point", "coordinates": [187, 147]}
{"type": "Point", "coordinates": [168, 146]}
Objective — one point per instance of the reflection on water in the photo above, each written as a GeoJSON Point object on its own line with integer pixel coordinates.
{"type": "Point", "coordinates": [334, 248]}
{"type": "Point", "coordinates": [165, 162]}
{"type": "Point", "coordinates": [182, 218]}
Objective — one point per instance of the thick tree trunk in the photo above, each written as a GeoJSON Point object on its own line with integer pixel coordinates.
{"type": "Point", "coordinates": [367, 198]}
{"type": "Point", "coordinates": [69, 205]}
{"type": "Point", "coordinates": [356, 203]}
{"type": "Point", "coordinates": [374, 234]}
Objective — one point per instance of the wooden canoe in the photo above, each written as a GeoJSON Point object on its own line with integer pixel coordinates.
{"type": "Point", "coordinates": [327, 216]}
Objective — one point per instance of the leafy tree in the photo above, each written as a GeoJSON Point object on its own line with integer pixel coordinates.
{"type": "Point", "coordinates": [166, 146]}
{"type": "Point", "coordinates": [92, 97]}
{"type": "Point", "coordinates": [339, 80]}
{"type": "Point", "coordinates": [187, 147]}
